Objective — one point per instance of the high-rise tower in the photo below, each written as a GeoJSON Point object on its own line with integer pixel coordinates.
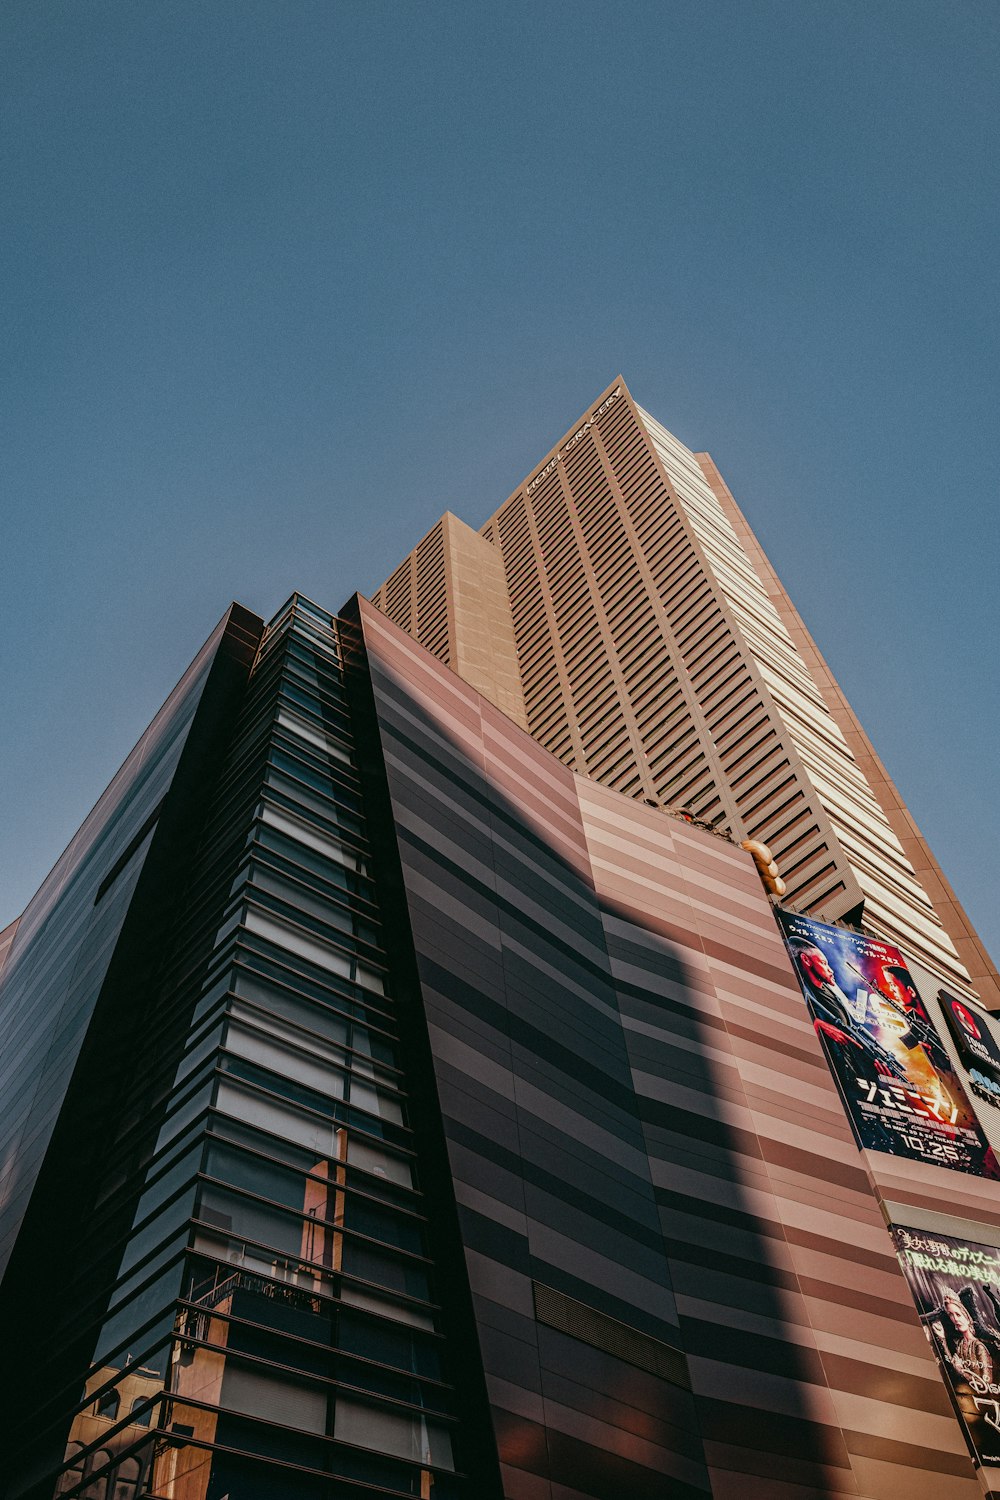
{"type": "Point", "coordinates": [397, 1100]}
{"type": "Point", "coordinates": [658, 654]}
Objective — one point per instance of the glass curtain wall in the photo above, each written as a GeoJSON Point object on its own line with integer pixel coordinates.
{"type": "Point", "coordinates": [271, 1326]}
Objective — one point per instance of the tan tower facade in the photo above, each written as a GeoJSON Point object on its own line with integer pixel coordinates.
{"type": "Point", "coordinates": [624, 611]}
{"type": "Point", "coordinates": [450, 594]}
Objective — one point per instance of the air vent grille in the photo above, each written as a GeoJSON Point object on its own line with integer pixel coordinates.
{"type": "Point", "coordinates": [563, 1313]}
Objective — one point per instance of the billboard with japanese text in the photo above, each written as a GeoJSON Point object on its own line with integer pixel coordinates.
{"type": "Point", "coordinates": [896, 1078]}
{"type": "Point", "coordinates": [956, 1286]}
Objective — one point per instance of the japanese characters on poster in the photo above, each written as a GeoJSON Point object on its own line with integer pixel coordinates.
{"type": "Point", "coordinates": [902, 1093]}
{"type": "Point", "coordinates": [956, 1286]}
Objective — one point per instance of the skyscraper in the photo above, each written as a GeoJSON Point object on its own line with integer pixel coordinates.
{"type": "Point", "coordinates": [658, 654]}
{"type": "Point", "coordinates": [402, 1098]}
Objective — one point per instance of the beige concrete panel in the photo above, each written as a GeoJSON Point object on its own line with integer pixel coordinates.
{"type": "Point", "coordinates": [483, 650]}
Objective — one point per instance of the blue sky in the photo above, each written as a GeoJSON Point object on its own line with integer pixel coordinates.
{"type": "Point", "coordinates": [282, 281]}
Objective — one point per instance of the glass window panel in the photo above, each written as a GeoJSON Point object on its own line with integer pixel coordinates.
{"type": "Point", "coordinates": [108, 1404]}
{"type": "Point", "coordinates": [94, 1463]}
{"type": "Point", "coordinates": [339, 994]}
{"type": "Point", "coordinates": [291, 1032]}
{"type": "Point", "coordinates": [140, 1412]}
{"type": "Point", "coordinates": [198, 1054]}
{"type": "Point", "coordinates": [312, 735]}
{"type": "Point", "coordinates": [168, 1183]}
{"type": "Point", "coordinates": [211, 998]}
{"type": "Point", "coordinates": [278, 1118]}
{"type": "Point", "coordinates": [369, 1264]}
{"type": "Point", "coordinates": [126, 1480]}
{"type": "Point", "coordinates": [73, 1474]}
{"type": "Point", "coordinates": [394, 1432]}
{"type": "Point", "coordinates": [302, 771]}
{"type": "Point", "coordinates": [241, 1216]}
{"type": "Point", "coordinates": [134, 1310]}
{"type": "Point", "coordinates": [315, 667]}
{"type": "Point", "coordinates": [374, 1339]}
{"type": "Point", "coordinates": [382, 1163]}
{"type": "Point", "coordinates": [323, 908]}
{"type": "Point", "coordinates": [301, 797]}
{"type": "Point", "coordinates": [296, 692]}
{"type": "Point", "coordinates": [311, 837]}
{"type": "Point", "coordinates": [316, 1016]}
{"type": "Point", "coordinates": [228, 926]}
{"type": "Point", "coordinates": [290, 1062]}
{"type": "Point", "coordinates": [376, 1102]}
{"type": "Point", "coordinates": [296, 853]}
{"type": "Point", "coordinates": [165, 1223]}
{"type": "Point", "coordinates": [370, 979]}
{"type": "Point", "coordinates": [178, 1122]}
{"type": "Point", "coordinates": [400, 1312]}
{"type": "Point", "coordinates": [296, 942]}
{"type": "Point", "coordinates": [285, 1150]}
{"type": "Point", "coordinates": [259, 1395]}
{"type": "Point", "coordinates": [373, 1045]}
{"type": "Point", "coordinates": [380, 1223]}
{"type": "Point", "coordinates": [239, 1169]}
{"type": "Point", "coordinates": [290, 1029]}
{"type": "Point", "coordinates": [314, 1194]}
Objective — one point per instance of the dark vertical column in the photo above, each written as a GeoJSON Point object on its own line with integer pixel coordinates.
{"type": "Point", "coordinates": [444, 1233]}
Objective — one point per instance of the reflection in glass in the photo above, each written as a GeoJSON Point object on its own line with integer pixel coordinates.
{"type": "Point", "coordinates": [272, 1331]}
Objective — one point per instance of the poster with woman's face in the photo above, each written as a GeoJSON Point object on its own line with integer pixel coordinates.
{"type": "Point", "coordinates": [956, 1286]}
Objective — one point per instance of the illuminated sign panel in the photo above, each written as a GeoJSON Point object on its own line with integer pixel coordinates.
{"type": "Point", "coordinates": [897, 1081]}
{"type": "Point", "coordinates": [956, 1286]}
{"type": "Point", "coordinates": [975, 1041]}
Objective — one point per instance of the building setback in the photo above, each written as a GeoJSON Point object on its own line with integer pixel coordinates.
{"type": "Point", "coordinates": [399, 1101]}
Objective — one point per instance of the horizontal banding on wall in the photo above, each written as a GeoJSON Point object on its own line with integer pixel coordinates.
{"type": "Point", "coordinates": [566, 1315]}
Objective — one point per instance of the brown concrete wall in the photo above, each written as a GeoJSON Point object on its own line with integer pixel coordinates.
{"type": "Point", "coordinates": [621, 1047]}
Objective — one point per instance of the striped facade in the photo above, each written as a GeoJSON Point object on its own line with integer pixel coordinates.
{"type": "Point", "coordinates": [678, 1257]}
{"type": "Point", "coordinates": [450, 594]}
{"type": "Point", "coordinates": [659, 656]}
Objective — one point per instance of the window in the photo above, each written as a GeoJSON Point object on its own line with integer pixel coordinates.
{"type": "Point", "coordinates": [140, 1412]}
{"type": "Point", "coordinates": [394, 1432]}
{"type": "Point", "coordinates": [95, 1463]}
{"type": "Point", "coordinates": [107, 1405]}
{"type": "Point", "coordinates": [126, 1480]}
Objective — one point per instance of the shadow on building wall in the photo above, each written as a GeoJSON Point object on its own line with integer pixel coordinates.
{"type": "Point", "coordinates": [608, 1177]}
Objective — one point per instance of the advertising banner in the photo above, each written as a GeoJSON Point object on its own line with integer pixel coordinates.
{"type": "Point", "coordinates": [975, 1041]}
{"type": "Point", "coordinates": [897, 1081]}
{"type": "Point", "coordinates": [956, 1286]}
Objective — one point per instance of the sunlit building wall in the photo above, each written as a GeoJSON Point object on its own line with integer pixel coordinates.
{"type": "Point", "coordinates": [659, 655]}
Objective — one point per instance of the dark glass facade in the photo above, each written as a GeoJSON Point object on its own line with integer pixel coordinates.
{"type": "Point", "coordinates": [254, 1270]}
{"type": "Point", "coordinates": [59, 959]}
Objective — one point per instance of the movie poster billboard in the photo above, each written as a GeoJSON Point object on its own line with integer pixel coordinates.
{"type": "Point", "coordinates": [956, 1286]}
{"type": "Point", "coordinates": [901, 1091]}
